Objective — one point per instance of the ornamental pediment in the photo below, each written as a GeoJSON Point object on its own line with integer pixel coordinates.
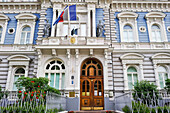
{"type": "Point", "coordinates": [155, 15]}
{"type": "Point", "coordinates": [127, 14]}
{"type": "Point", "coordinates": [18, 58]}
{"type": "Point", "coordinates": [27, 16]}
{"type": "Point", "coordinates": [132, 56]}
{"type": "Point", "coordinates": [161, 56]}
{"type": "Point", "coordinates": [3, 17]}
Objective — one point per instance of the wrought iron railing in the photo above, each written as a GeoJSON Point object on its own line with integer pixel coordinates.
{"type": "Point", "coordinates": [35, 102]}
{"type": "Point", "coordinates": [144, 102]}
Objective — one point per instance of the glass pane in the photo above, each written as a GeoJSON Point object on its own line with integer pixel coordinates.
{"type": "Point", "coordinates": [52, 62]}
{"type": "Point", "coordinates": [160, 77]}
{"type": "Point", "coordinates": [135, 78]}
{"type": "Point", "coordinates": [20, 70]}
{"type": "Point", "coordinates": [26, 29]}
{"type": "Point", "coordinates": [153, 36]}
{"type": "Point", "coordinates": [46, 75]}
{"type": "Point", "coordinates": [62, 80]}
{"type": "Point", "coordinates": [130, 36]}
{"type": "Point", "coordinates": [15, 79]}
{"type": "Point", "coordinates": [48, 66]}
{"type": "Point", "coordinates": [125, 36]}
{"type": "Point", "coordinates": [52, 80]}
{"type": "Point", "coordinates": [57, 68]}
{"type": "Point", "coordinates": [131, 69]}
{"type": "Point", "coordinates": [65, 29]}
{"type": "Point", "coordinates": [83, 86]}
{"type": "Point", "coordinates": [59, 62]}
{"type": "Point", "coordinates": [129, 77]}
{"type": "Point", "coordinates": [158, 35]}
{"type": "Point", "coordinates": [130, 85]}
{"type": "Point", "coordinates": [83, 72]}
{"type": "Point", "coordinates": [161, 84]}
{"type": "Point", "coordinates": [63, 67]}
{"type": "Point", "coordinates": [99, 67]}
{"type": "Point", "coordinates": [57, 81]}
{"type": "Point", "coordinates": [100, 72]}
{"type": "Point", "coordinates": [166, 76]}
{"type": "Point", "coordinates": [88, 86]}
{"type": "Point", "coordinates": [22, 38]}
{"type": "Point", "coordinates": [84, 66]}
{"type": "Point", "coordinates": [83, 29]}
{"type": "Point", "coordinates": [161, 69]}
{"type": "Point", "coordinates": [53, 68]}
{"type": "Point", "coordinates": [28, 38]}
{"type": "Point", "coordinates": [95, 85]}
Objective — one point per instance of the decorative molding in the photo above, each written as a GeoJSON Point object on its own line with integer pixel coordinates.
{"type": "Point", "coordinates": [128, 18]}
{"type": "Point", "coordinates": [140, 6]}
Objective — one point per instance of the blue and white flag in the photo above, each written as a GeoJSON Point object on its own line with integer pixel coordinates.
{"type": "Point", "coordinates": [64, 14]}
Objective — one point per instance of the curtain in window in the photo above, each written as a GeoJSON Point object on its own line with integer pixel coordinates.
{"type": "Point", "coordinates": [163, 75]}
{"type": "Point", "coordinates": [128, 34]}
{"type": "Point", "coordinates": [156, 34]}
{"type": "Point", "coordinates": [132, 77]}
{"type": "Point", "coordinates": [25, 35]}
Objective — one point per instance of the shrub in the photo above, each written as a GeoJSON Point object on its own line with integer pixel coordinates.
{"type": "Point", "coordinates": [126, 109]}
{"type": "Point", "coordinates": [167, 83]}
{"type": "Point", "coordinates": [35, 85]}
{"type": "Point", "coordinates": [145, 88]}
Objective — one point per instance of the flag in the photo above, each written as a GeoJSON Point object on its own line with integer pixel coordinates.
{"type": "Point", "coordinates": [64, 14]}
{"type": "Point", "coordinates": [74, 31]}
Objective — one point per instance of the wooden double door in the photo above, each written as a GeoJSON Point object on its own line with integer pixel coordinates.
{"type": "Point", "coordinates": [91, 85]}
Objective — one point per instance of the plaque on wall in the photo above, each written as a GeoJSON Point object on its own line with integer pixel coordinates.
{"type": "Point", "coordinates": [71, 94]}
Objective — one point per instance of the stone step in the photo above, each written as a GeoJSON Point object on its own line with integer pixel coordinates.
{"type": "Point", "coordinates": [101, 111]}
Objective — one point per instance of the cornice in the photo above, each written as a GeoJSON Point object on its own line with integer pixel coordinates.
{"type": "Point", "coordinates": [141, 6]}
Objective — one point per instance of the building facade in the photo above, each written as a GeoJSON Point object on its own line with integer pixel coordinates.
{"type": "Point", "coordinates": [118, 42]}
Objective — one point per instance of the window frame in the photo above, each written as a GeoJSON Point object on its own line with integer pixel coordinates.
{"type": "Point", "coordinates": [128, 18]}
{"type": "Point", "coordinates": [156, 18]}
{"type": "Point", "coordinates": [19, 74]}
{"type": "Point", "coordinates": [3, 23]}
{"type": "Point", "coordinates": [128, 31]}
{"type": "Point", "coordinates": [25, 19]}
{"type": "Point", "coordinates": [61, 72]}
{"type": "Point", "coordinates": [162, 74]}
{"type": "Point", "coordinates": [132, 74]}
{"type": "Point", "coordinates": [26, 33]}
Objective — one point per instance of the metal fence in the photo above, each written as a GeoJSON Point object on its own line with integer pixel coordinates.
{"type": "Point", "coordinates": [144, 102]}
{"type": "Point", "coordinates": [37, 102]}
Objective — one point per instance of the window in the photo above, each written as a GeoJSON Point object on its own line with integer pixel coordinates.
{"type": "Point", "coordinates": [0, 33]}
{"type": "Point", "coordinates": [132, 77]}
{"type": "Point", "coordinates": [128, 26]}
{"type": "Point", "coordinates": [156, 26]}
{"type": "Point", "coordinates": [163, 75]}
{"type": "Point", "coordinates": [156, 34]}
{"type": "Point", "coordinates": [20, 72]}
{"type": "Point", "coordinates": [25, 35]}
{"type": "Point", "coordinates": [128, 34]}
{"type": "Point", "coordinates": [55, 72]}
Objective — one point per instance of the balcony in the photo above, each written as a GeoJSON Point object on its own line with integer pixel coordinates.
{"type": "Point", "coordinates": [74, 41]}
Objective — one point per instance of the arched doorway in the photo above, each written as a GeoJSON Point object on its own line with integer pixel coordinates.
{"type": "Point", "coordinates": [91, 85]}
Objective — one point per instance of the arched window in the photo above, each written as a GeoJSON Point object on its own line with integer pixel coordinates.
{"type": "Point", "coordinates": [128, 34]}
{"type": "Point", "coordinates": [156, 33]}
{"type": "Point", "coordinates": [163, 75]}
{"type": "Point", "coordinates": [20, 72]}
{"type": "Point", "coordinates": [132, 77]}
{"type": "Point", "coordinates": [25, 35]}
{"type": "Point", "coordinates": [55, 71]}
{"type": "Point", "coordinates": [0, 33]}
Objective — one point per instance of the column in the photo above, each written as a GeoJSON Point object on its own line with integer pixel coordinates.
{"type": "Point", "coordinates": [88, 24]}
{"type": "Point", "coordinates": [156, 76]}
{"type": "Point", "coordinates": [94, 23]}
{"type": "Point", "coordinates": [53, 27]}
{"type": "Point", "coordinates": [9, 78]}
{"type": "Point", "coordinates": [125, 77]}
{"type": "Point", "coordinates": [26, 71]}
{"type": "Point", "coordinates": [141, 77]}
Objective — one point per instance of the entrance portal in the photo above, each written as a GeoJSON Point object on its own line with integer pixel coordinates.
{"type": "Point", "coordinates": [91, 85]}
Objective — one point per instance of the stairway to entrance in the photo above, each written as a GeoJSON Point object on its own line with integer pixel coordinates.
{"type": "Point", "coordinates": [102, 111]}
